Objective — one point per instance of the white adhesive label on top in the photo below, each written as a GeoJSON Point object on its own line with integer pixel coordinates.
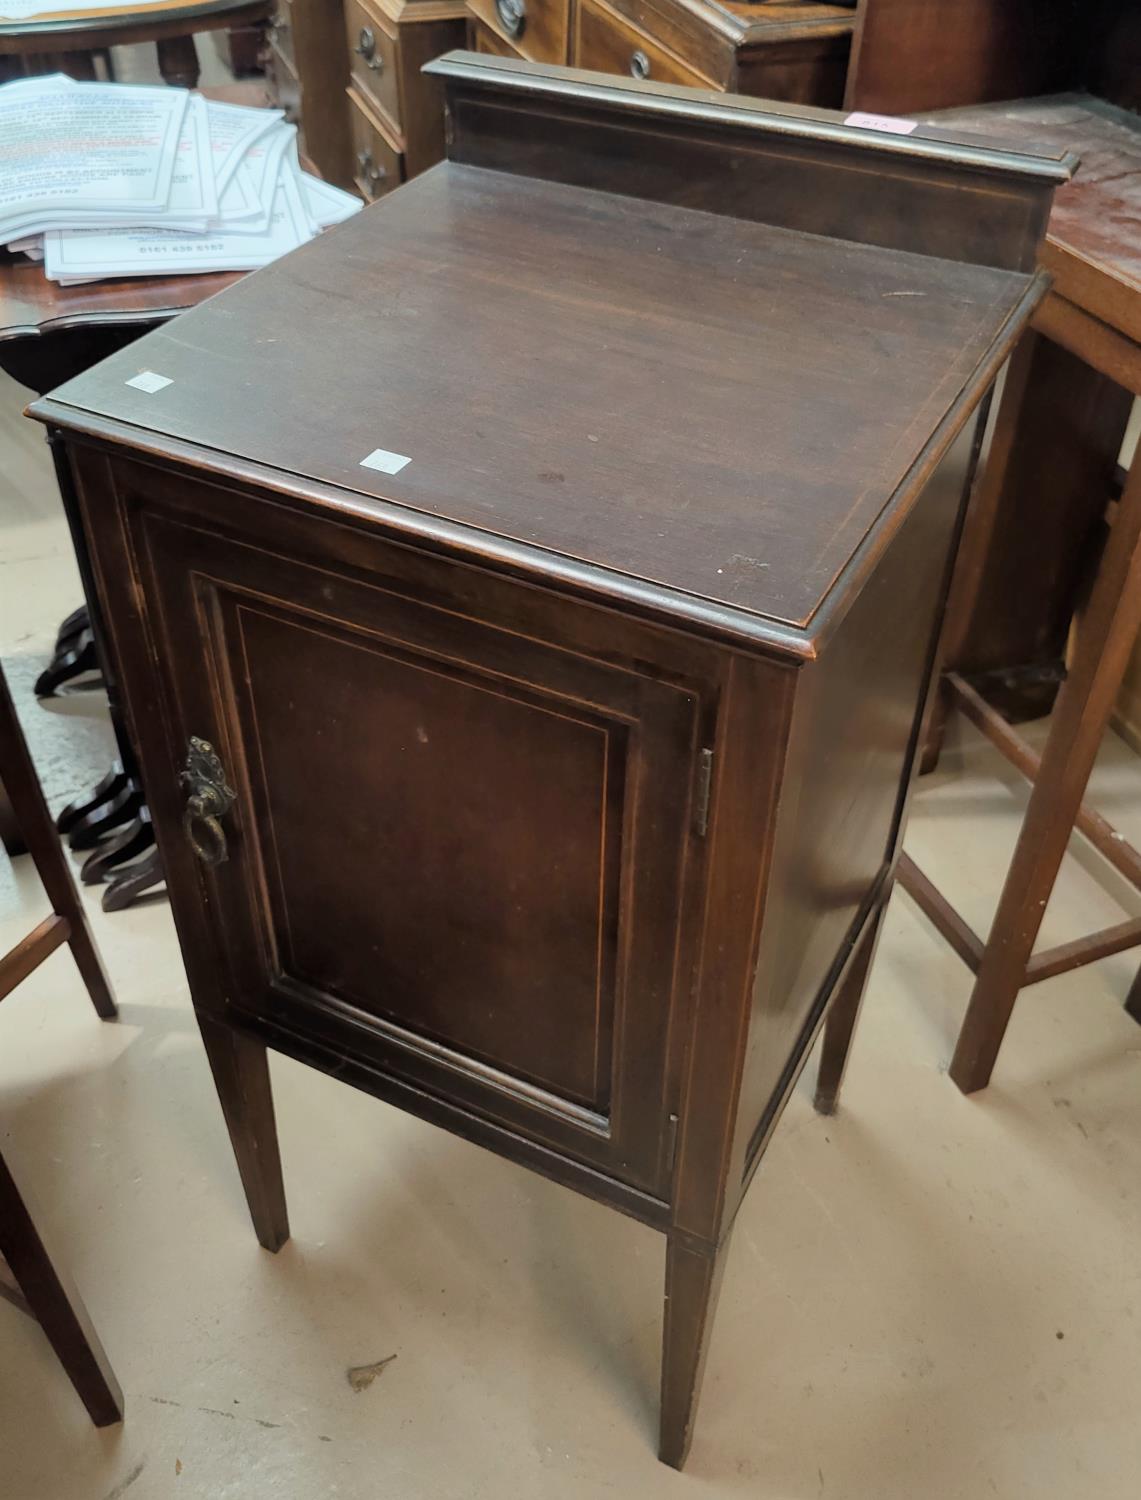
{"type": "Point", "coordinates": [147, 380]}
{"type": "Point", "coordinates": [891, 123]}
{"type": "Point", "coordinates": [385, 462]}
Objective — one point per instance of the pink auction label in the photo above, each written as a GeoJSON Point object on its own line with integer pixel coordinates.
{"type": "Point", "coordinates": [891, 123]}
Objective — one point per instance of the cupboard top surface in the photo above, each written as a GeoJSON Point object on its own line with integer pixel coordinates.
{"type": "Point", "coordinates": [711, 406]}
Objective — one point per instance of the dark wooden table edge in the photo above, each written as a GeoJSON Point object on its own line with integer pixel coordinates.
{"type": "Point", "coordinates": [69, 321]}
{"type": "Point", "coordinates": [32, 35]}
{"type": "Point", "coordinates": [405, 525]}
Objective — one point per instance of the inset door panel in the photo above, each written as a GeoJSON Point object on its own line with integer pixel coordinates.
{"type": "Point", "coordinates": [464, 844]}
{"type": "Point", "coordinates": [442, 850]}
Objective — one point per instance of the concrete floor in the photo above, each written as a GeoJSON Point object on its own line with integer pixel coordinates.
{"type": "Point", "coordinates": [927, 1295]}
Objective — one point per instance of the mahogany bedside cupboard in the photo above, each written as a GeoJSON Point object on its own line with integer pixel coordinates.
{"type": "Point", "coordinates": [525, 598]}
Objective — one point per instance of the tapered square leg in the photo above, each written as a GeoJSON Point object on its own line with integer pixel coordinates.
{"type": "Point", "coordinates": [843, 1013]}
{"type": "Point", "coordinates": [693, 1282]}
{"type": "Point", "coordinates": [241, 1076]}
{"type": "Point", "coordinates": [56, 1306]}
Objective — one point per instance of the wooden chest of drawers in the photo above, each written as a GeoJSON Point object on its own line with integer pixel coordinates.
{"type": "Point", "coordinates": [397, 112]}
{"type": "Point", "coordinates": [796, 53]}
{"type": "Point", "coordinates": [528, 679]}
{"type": "Point", "coordinates": [306, 74]}
{"type": "Point", "coordinates": [348, 74]}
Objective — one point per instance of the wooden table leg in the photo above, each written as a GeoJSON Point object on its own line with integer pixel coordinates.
{"type": "Point", "coordinates": [57, 1306]}
{"type": "Point", "coordinates": [241, 1076]}
{"type": "Point", "coordinates": [178, 61]}
{"type": "Point", "coordinates": [22, 787]}
{"type": "Point", "coordinates": [1104, 637]}
{"type": "Point", "coordinates": [693, 1282]}
{"type": "Point", "coordinates": [77, 65]}
{"type": "Point", "coordinates": [840, 1023]}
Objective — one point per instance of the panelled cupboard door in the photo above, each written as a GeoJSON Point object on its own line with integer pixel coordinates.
{"type": "Point", "coordinates": [460, 846]}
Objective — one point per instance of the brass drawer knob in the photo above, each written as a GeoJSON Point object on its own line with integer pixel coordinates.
{"type": "Point", "coordinates": [372, 171]}
{"type": "Point", "coordinates": [512, 16]}
{"type": "Point", "coordinates": [639, 64]}
{"type": "Point", "coordinates": [210, 799]}
{"type": "Point", "coordinates": [366, 48]}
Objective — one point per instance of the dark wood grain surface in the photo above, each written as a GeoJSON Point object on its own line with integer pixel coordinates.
{"type": "Point", "coordinates": [682, 459]}
{"type": "Point", "coordinates": [856, 720]}
{"type": "Point", "coordinates": [776, 163]}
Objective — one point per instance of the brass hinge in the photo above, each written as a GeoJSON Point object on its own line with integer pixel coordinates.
{"type": "Point", "coordinates": [701, 801]}
{"type": "Point", "coordinates": [671, 1145]}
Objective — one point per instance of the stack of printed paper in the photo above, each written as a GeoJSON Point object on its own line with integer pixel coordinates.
{"type": "Point", "coordinates": [106, 179]}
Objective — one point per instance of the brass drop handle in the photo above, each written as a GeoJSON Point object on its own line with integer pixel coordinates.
{"type": "Point", "coordinates": [512, 16]}
{"type": "Point", "coordinates": [373, 172]}
{"type": "Point", "coordinates": [366, 48]}
{"type": "Point", "coordinates": [211, 797]}
{"type": "Point", "coordinates": [639, 64]}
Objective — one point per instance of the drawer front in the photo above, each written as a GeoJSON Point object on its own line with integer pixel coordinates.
{"type": "Point", "coordinates": [798, 71]}
{"type": "Point", "coordinates": [457, 849]}
{"type": "Point", "coordinates": [482, 39]}
{"type": "Point", "coordinates": [374, 60]}
{"type": "Point", "coordinates": [536, 29]}
{"type": "Point", "coordinates": [376, 160]}
{"type": "Point", "coordinates": [609, 44]}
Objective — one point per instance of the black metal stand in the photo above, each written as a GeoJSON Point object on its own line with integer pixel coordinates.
{"type": "Point", "coordinates": [73, 657]}
{"type": "Point", "coordinates": [113, 822]}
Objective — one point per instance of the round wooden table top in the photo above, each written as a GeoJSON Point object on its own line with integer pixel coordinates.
{"type": "Point", "coordinates": [32, 306]}
{"type": "Point", "coordinates": [48, 333]}
{"type": "Point", "coordinates": [73, 28]}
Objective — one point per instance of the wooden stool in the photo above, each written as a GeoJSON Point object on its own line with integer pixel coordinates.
{"type": "Point", "coordinates": [1055, 446]}
{"type": "Point", "coordinates": [1092, 319]}
{"type": "Point", "coordinates": [41, 1287]}
{"type": "Point", "coordinates": [67, 923]}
